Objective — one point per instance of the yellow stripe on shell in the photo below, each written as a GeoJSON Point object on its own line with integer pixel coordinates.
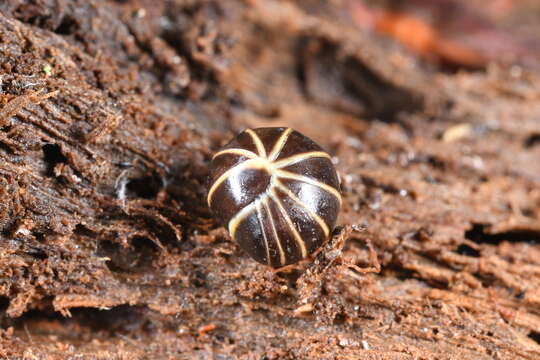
{"type": "Point", "coordinates": [258, 143]}
{"type": "Point", "coordinates": [289, 222]}
{"type": "Point", "coordinates": [290, 175]}
{"type": "Point", "coordinates": [239, 217]}
{"type": "Point", "coordinates": [300, 157]}
{"type": "Point", "coordinates": [316, 217]}
{"type": "Point", "coordinates": [261, 224]}
{"type": "Point", "coordinates": [278, 146]}
{"type": "Point", "coordinates": [235, 151]}
{"type": "Point", "coordinates": [282, 258]}
{"type": "Point", "coordinates": [256, 163]}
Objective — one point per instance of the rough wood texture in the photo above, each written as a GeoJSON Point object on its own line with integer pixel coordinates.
{"type": "Point", "coordinates": [109, 114]}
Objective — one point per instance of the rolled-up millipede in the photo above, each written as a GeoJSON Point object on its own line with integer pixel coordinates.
{"type": "Point", "coordinates": [277, 191]}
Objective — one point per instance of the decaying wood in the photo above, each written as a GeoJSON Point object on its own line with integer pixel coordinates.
{"type": "Point", "coordinates": [109, 114]}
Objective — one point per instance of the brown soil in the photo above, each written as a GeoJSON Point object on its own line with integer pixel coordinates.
{"type": "Point", "coordinates": [109, 114]}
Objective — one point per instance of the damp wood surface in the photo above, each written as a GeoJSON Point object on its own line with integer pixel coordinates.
{"type": "Point", "coordinates": [110, 112]}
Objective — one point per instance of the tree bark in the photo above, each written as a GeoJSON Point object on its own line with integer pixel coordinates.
{"type": "Point", "coordinates": [109, 115]}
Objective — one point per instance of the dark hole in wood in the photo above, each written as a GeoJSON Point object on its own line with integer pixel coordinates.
{"type": "Point", "coordinates": [535, 335]}
{"type": "Point", "coordinates": [146, 187]}
{"type": "Point", "coordinates": [4, 303]}
{"type": "Point", "coordinates": [36, 252]}
{"type": "Point", "coordinates": [123, 319]}
{"type": "Point", "coordinates": [138, 257]}
{"type": "Point", "coordinates": [52, 154]}
{"type": "Point", "coordinates": [533, 140]}
{"type": "Point", "coordinates": [346, 83]}
{"type": "Point", "coordinates": [340, 319]}
{"type": "Point", "coordinates": [198, 279]}
{"type": "Point", "coordinates": [68, 26]}
{"type": "Point", "coordinates": [82, 230]}
{"type": "Point", "coordinates": [6, 148]}
{"type": "Point", "coordinates": [466, 250]}
{"type": "Point", "coordinates": [478, 234]}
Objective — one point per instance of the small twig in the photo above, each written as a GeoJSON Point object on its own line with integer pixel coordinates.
{"type": "Point", "coordinates": [376, 266]}
{"type": "Point", "coordinates": [110, 123]}
{"type": "Point", "coordinates": [28, 333]}
{"type": "Point", "coordinates": [120, 186]}
{"type": "Point", "coordinates": [13, 107]}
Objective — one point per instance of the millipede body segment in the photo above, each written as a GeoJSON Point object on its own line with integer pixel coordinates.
{"type": "Point", "coordinates": [277, 192]}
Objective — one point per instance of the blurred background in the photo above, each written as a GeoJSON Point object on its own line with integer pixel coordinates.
{"type": "Point", "coordinates": [455, 33]}
{"type": "Point", "coordinates": [111, 110]}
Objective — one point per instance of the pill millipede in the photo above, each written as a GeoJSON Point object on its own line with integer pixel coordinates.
{"type": "Point", "coordinates": [277, 192]}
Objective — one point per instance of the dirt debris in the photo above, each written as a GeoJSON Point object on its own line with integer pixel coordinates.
{"type": "Point", "coordinates": [109, 114]}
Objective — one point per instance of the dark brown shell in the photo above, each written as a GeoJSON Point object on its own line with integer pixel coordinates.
{"type": "Point", "coordinates": [277, 192]}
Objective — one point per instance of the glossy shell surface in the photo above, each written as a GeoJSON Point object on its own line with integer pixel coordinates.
{"type": "Point", "coordinates": [277, 192]}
